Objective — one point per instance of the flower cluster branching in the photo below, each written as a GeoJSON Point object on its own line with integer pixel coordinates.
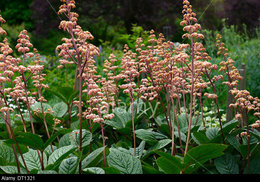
{"type": "Point", "coordinates": [175, 76]}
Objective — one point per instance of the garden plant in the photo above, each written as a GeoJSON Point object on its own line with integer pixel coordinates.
{"type": "Point", "coordinates": [154, 109]}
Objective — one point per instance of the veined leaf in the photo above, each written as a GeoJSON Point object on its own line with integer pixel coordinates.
{"type": "Point", "coordinates": [66, 94]}
{"type": "Point", "coordinates": [60, 109]}
{"type": "Point", "coordinates": [37, 105]}
{"type": "Point", "coordinates": [67, 166]}
{"type": "Point", "coordinates": [226, 164]}
{"type": "Point", "coordinates": [47, 172]}
{"type": "Point", "coordinates": [111, 170]}
{"type": "Point", "coordinates": [149, 135]}
{"type": "Point", "coordinates": [65, 140]}
{"type": "Point", "coordinates": [86, 137]}
{"type": "Point", "coordinates": [125, 163]}
{"type": "Point", "coordinates": [139, 150]}
{"type": "Point", "coordinates": [91, 157]}
{"type": "Point", "coordinates": [59, 153]}
{"type": "Point", "coordinates": [200, 137]}
{"type": "Point", "coordinates": [32, 160]}
{"type": "Point", "coordinates": [12, 170]}
{"type": "Point", "coordinates": [197, 156]}
{"type": "Point", "coordinates": [174, 159]}
{"type": "Point", "coordinates": [28, 139]}
{"type": "Point", "coordinates": [94, 170]}
{"type": "Point", "coordinates": [169, 164]}
{"type": "Point", "coordinates": [6, 154]}
{"type": "Point", "coordinates": [53, 137]}
{"type": "Point", "coordinates": [227, 127]}
{"type": "Point", "coordinates": [160, 144]}
{"type": "Point", "coordinates": [148, 169]}
{"type": "Point", "coordinates": [211, 133]}
{"type": "Point", "coordinates": [234, 142]}
{"type": "Point", "coordinates": [120, 119]}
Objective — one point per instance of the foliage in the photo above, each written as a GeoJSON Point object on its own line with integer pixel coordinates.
{"type": "Point", "coordinates": [242, 48]}
{"type": "Point", "coordinates": [154, 107]}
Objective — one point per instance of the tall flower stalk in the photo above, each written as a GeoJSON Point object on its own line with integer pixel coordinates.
{"type": "Point", "coordinates": [129, 73]}
{"type": "Point", "coordinates": [8, 67]}
{"type": "Point", "coordinates": [76, 49]}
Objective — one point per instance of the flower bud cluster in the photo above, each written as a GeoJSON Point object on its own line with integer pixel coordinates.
{"type": "Point", "coordinates": [110, 80]}
{"type": "Point", "coordinates": [2, 31]}
{"type": "Point", "coordinates": [243, 100]}
{"type": "Point", "coordinates": [129, 71]}
{"type": "Point", "coordinates": [189, 20]}
{"type": "Point", "coordinates": [76, 50]}
{"type": "Point", "coordinates": [24, 44]}
{"type": "Point", "coordinates": [97, 107]}
{"type": "Point", "coordinates": [227, 66]}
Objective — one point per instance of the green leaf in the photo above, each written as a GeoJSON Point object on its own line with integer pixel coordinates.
{"type": "Point", "coordinates": [28, 139]}
{"type": "Point", "coordinates": [91, 157]}
{"type": "Point", "coordinates": [183, 136]}
{"type": "Point", "coordinates": [227, 127]}
{"type": "Point", "coordinates": [212, 133]}
{"type": "Point", "coordinates": [12, 170]}
{"type": "Point", "coordinates": [149, 135]}
{"type": "Point", "coordinates": [49, 150]}
{"type": "Point", "coordinates": [233, 142]}
{"type": "Point", "coordinates": [86, 137]}
{"type": "Point", "coordinates": [174, 159]}
{"type": "Point", "coordinates": [66, 94]}
{"type": "Point", "coordinates": [160, 144]}
{"type": "Point", "coordinates": [183, 125]}
{"type": "Point", "coordinates": [47, 172]}
{"type": "Point", "coordinates": [55, 165]}
{"type": "Point", "coordinates": [125, 163]}
{"type": "Point", "coordinates": [254, 167]}
{"type": "Point", "coordinates": [6, 154]}
{"type": "Point", "coordinates": [60, 109]}
{"type": "Point", "coordinates": [111, 170]}
{"type": "Point", "coordinates": [226, 164]}
{"type": "Point", "coordinates": [197, 156]}
{"type": "Point", "coordinates": [94, 170]}
{"type": "Point", "coordinates": [37, 105]}
{"type": "Point", "coordinates": [244, 149]}
{"type": "Point", "coordinates": [139, 150]}
{"type": "Point", "coordinates": [120, 119]}
{"type": "Point", "coordinates": [148, 169]}
{"type": "Point", "coordinates": [58, 153]}
{"type": "Point", "coordinates": [53, 137]}
{"type": "Point", "coordinates": [167, 166]}
{"type": "Point", "coordinates": [137, 108]}
{"type": "Point", "coordinates": [65, 140]}
{"type": "Point", "coordinates": [32, 160]}
{"type": "Point", "coordinates": [200, 137]}
{"type": "Point", "coordinates": [67, 166]}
